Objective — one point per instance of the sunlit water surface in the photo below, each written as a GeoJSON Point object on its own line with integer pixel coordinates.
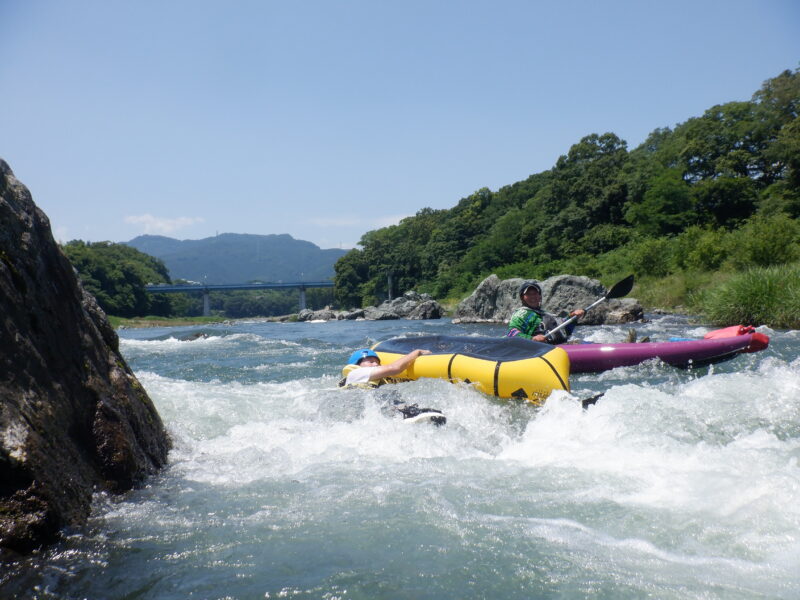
{"type": "Point", "coordinates": [676, 484]}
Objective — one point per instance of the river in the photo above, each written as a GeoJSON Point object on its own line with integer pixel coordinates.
{"type": "Point", "coordinates": [676, 484]}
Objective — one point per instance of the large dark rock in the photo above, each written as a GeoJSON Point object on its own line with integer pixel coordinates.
{"type": "Point", "coordinates": [494, 300]}
{"type": "Point", "coordinates": [73, 418]}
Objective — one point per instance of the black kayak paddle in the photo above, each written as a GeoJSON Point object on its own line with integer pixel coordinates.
{"type": "Point", "coordinates": [620, 289]}
{"type": "Point", "coordinates": [591, 400]}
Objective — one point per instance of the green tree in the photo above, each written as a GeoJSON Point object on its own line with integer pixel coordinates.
{"type": "Point", "coordinates": [585, 190]}
{"type": "Point", "coordinates": [765, 241]}
{"type": "Point", "coordinates": [651, 256]}
{"type": "Point", "coordinates": [700, 249]}
{"type": "Point", "coordinates": [352, 270]}
{"type": "Point", "coordinates": [666, 207]}
{"type": "Point", "coordinates": [259, 303]}
{"type": "Point", "coordinates": [725, 201]}
{"type": "Point", "coordinates": [116, 274]}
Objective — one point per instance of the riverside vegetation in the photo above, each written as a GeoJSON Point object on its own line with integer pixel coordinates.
{"type": "Point", "coordinates": [116, 274]}
{"type": "Point", "coordinates": [702, 213]}
{"type": "Point", "coordinates": [705, 214]}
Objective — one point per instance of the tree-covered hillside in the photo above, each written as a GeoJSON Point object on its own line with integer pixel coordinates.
{"type": "Point", "coordinates": [116, 275]}
{"type": "Point", "coordinates": [718, 191]}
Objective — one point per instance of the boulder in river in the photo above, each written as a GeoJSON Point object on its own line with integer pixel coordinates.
{"type": "Point", "coordinates": [73, 417]}
{"type": "Point", "coordinates": [494, 300]}
{"type": "Point", "coordinates": [411, 305]}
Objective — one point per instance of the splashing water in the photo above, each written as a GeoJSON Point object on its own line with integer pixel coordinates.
{"type": "Point", "coordinates": [676, 484]}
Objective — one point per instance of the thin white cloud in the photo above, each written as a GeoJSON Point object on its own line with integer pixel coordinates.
{"type": "Point", "coordinates": [388, 220]}
{"type": "Point", "coordinates": [367, 223]}
{"type": "Point", "coordinates": [350, 221]}
{"type": "Point", "coordinates": [160, 225]}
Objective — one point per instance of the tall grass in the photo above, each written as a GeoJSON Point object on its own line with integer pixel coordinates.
{"type": "Point", "coordinates": [757, 296]}
{"type": "Point", "coordinates": [151, 321]}
{"type": "Point", "coordinates": [681, 292]}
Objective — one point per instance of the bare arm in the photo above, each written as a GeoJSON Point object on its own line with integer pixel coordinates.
{"type": "Point", "coordinates": [401, 364]}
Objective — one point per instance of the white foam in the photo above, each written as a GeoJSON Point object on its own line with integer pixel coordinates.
{"type": "Point", "coordinates": [674, 480]}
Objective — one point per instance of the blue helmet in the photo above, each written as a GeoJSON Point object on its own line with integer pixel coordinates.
{"type": "Point", "coordinates": [357, 356]}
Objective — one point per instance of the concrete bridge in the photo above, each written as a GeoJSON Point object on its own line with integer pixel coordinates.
{"type": "Point", "coordinates": [206, 288]}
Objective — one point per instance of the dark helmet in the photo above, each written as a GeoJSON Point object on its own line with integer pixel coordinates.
{"type": "Point", "coordinates": [357, 356]}
{"type": "Point", "coordinates": [530, 283]}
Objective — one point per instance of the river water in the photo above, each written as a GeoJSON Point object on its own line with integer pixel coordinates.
{"type": "Point", "coordinates": [676, 484]}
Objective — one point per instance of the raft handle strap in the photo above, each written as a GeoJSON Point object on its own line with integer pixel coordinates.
{"type": "Point", "coordinates": [549, 364]}
{"type": "Point", "coordinates": [450, 367]}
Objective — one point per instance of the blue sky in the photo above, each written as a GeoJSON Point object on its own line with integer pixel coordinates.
{"type": "Point", "coordinates": [327, 119]}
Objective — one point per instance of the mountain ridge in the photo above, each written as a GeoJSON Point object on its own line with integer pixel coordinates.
{"type": "Point", "coordinates": [241, 257]}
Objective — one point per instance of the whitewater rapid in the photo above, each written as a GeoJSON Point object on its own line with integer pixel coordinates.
{"type": "Point", "coordinates": [676, 484]}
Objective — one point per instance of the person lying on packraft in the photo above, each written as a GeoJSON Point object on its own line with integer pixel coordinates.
{"type": "Point", "coordinates": [364, 369]}
{"type": "Point", "coordinates": [532, 323]}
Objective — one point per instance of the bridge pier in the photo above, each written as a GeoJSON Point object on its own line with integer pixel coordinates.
{"type": "Point", "coordinates": [208, 288]}
{"type": "Point", "coordinates": [302, 298]}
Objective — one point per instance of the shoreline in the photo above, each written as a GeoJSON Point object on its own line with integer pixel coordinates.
{"type": "Point", "coordinates": [145, 322]}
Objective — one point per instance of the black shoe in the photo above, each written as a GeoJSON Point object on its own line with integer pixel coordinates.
{"type": "Point", "coordinates": [414, 414]}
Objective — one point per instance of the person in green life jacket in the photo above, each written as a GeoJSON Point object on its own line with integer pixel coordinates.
{"type": "Point", "coordinates": [532, 323]}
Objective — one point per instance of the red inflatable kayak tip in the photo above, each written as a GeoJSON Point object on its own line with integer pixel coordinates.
{"type": "Point", "coordinates": [758, 342]}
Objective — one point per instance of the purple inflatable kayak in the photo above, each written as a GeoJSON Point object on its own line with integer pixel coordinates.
{"type": "Point", "coordinates": [593, 358]}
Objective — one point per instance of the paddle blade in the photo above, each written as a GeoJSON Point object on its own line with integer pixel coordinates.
{"type": "Point", "coordinates": [587, 402]}
{"type": "Point", "coordinates": [622, 288]}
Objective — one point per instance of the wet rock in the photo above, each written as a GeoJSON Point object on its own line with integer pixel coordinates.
{"type": "Point", "coordinates": [380, 313]}
{"type": "Point", "coordinates": [73, 417]}
{"type": "Point", "coordinates": [324, 314]}
{"type": "Point", "coordinates": [410, 305]}
{"type": "Point", "coordinates": [624, 310]}
{"type": "Point", "coordinates": [354, 315]}
{"type": "Point", "coordinates": [427, 309]}
{"type": "Point", "coordinates": [194, 336]}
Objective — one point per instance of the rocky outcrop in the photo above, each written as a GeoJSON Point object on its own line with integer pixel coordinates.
{"type": "Point", "coordinates": [73, 418]}
{"type": "Point", "coordinates": [410, 305]}
{"type": "Point", "coordinates": [494, 300]}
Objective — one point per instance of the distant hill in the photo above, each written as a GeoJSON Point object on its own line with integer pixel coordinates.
{"type": "Point", "coordinates": [240, 258]}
